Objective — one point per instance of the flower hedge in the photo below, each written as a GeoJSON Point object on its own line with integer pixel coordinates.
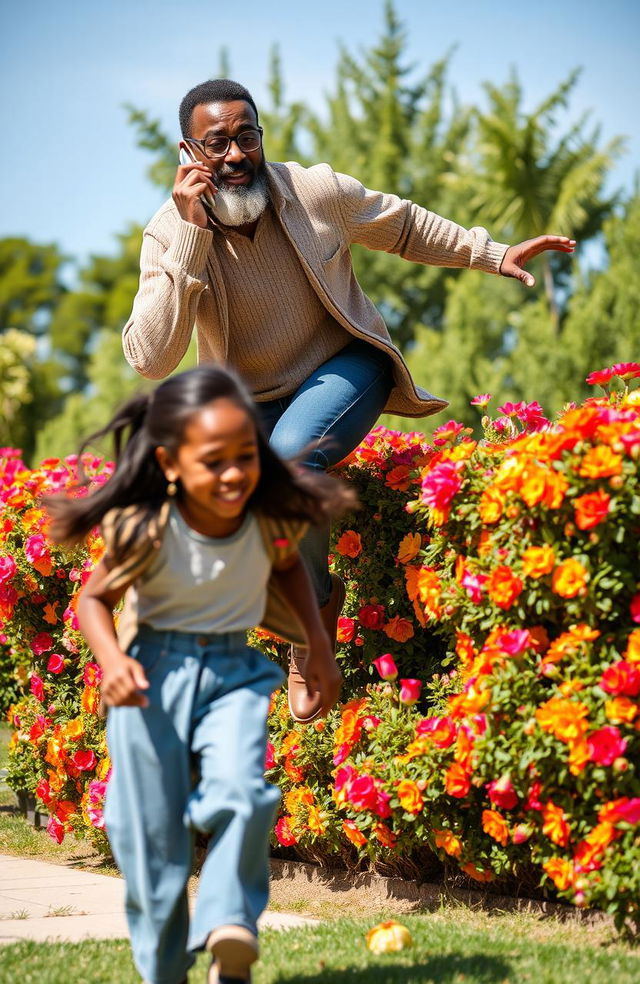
{"type": "Point", "coordinates": [499, 580]}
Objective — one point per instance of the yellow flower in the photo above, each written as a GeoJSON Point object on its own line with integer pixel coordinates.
{"type": "Point", "coordinates": [560, 872]}
{"type": "Point", "coordinates": [537, 561]}
{"type": "Point", "coordinates": [388, 937]}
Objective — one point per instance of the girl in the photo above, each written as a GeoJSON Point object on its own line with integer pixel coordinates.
{"type": "Point", "coordinates": [201, 522]}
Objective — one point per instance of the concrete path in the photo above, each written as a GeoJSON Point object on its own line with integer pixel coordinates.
{"type": "Point", "coordinates": [40, 901]}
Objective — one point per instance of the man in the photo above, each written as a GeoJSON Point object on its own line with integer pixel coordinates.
{"type": "Point", "coordinates": [266, 277]}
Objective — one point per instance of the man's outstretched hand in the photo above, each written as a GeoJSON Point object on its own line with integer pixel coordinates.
{"type": "Point", "coordinates": [517, 256]}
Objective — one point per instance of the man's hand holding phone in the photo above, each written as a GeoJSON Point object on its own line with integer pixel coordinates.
{"type": "Point", "coordinates": [194, 190]}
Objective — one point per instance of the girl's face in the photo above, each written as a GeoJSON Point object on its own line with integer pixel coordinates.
{"type": "Point", "coordinates": [217, 466]}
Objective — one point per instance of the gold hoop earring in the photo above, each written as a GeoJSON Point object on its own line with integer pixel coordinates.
{"type": "Point", "coordinates": [172, 488]}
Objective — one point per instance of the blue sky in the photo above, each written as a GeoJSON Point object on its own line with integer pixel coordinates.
{"type": "Point", "coordinates": [71, 172]}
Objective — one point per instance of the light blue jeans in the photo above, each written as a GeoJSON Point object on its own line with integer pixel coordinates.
{"type": "Point", "coordinates": [193, 759]}
{"type": "Point", "coordinates": [326, 418]}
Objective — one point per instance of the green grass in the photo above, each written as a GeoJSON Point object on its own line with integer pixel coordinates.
{"type": "Point", "coordinates": [453, 946]}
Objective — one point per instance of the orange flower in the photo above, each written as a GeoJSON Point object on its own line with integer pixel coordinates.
{"type": "Point", "coordinates": [464, 647]}
{"type": "Point", "coordinates": [295, 797]}
{"type": "Point", "coordinates": [398, 629]}
{"type": "Point", "coordinates": [600, 462]}
{"type": "Point", "coordinates": [503, 586]}
{"type": "Point", "coordinates": [632, 652]}
{"type": "Point", "coordinates": [555, 489]}
{"type": "Point", "coordinates": [398, 478]}
{"type": "Point", "coordinates": [409, 795]}
{"type": "Point", "coordinates": [90, 700]}
{"type": "Point", "coordinates": [565, 719]}
{"type": "Point", "coordinates": [315, 820]}
{"type": "Point", "coordinates": [409, 547]}
{"type": "Point", "coordinates": [537, 561]}
{"type": "Point", "coordinates": [448, 841]}
{"type": "Point", "coordinates": [491, 505]}
{"type": "Point", "coordinates": [384, 835]}
{"type": "Point", "coordinates": [570, 643]}
{"type": "Point", "coordinates": [621, 710]}
{"type": "Point", "coordinates": [579, 755]}
{"type": "Point", "coordinates": [476, 873]}
{"type": "Point", "coordinates": [495, 825]}
{"type": "Point", "coordinates": [456, 781]}
{"type": "Point", "coordinates": [74, 729]}
{"type": "Point", "coordinates": [591, 509]}
{"type": "Point", "coordinates": [49, 612]}
{"type": "Point", "coordinates": [350, 728]}
{"type": "Point", "coordinates": [353, 832]}
{"type": "Point", "coordinates": [569, 578]}
{"type": "Point", "coordinates": [554, 824]}
{"type": "Point", "coordinates": [560, 872]}
{"type": "Point", "coordinates": [349, 544]}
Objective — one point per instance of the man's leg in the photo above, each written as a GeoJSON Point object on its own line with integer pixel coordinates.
{"type": "Point", "coordinates": [326, 418]}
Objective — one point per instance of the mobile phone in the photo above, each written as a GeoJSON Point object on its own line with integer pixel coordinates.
{"type": "Point", "coordinates": [188, 157]}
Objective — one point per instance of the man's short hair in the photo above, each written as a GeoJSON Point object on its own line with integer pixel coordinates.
{"type": "Point", "coordinates": [214, 90]}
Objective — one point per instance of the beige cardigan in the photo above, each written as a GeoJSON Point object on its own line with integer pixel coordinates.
{"type": "Point", "coordinates": [322, 213]}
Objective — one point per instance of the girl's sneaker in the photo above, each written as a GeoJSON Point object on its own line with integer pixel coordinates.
{"type": "Point", "coordinates": [234, 949]}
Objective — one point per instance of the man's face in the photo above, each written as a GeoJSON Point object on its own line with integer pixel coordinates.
{"type": "Point", "coordinates": [228, 119]}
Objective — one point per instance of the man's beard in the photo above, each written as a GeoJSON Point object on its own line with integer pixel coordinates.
{"type": "Point", "coordinates": [238, 205]}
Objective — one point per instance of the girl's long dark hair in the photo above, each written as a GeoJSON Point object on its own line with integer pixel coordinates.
{"type": "Point", "coordinates": [159, 419]}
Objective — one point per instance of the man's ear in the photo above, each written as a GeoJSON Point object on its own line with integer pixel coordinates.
{"type": "Point", "coordinates": [166, 463]}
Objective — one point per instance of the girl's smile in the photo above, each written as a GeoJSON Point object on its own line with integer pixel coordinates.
{"type": "Point", "coordinates": [217, 467]}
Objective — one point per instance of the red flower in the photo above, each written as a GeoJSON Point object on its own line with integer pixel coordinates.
{"type": "Point", "coordinates": [623, 810]}
{"type": "Point", "coordinates": [635, 608]}
{"type": "Point", "coordinates": [269, 759]}
{"type": "Point", "coordinates": [349, 544]}
{"type": "Point", "coordinates": [41, 643]}
{"type": "Point", "coordinates": [84, 760]}
{"type": "Point", "coordinates": [601, 377]}
{"type": "Point", "coordinates": [591, 509]}
{"type": "Point", "coordinates": [502, 793]}
{"type": "Point", "coordinates": [55, 829]}
{"type": "Point", "coordinates": [346, 629]}
{"type": "Point", "coordinates": [56, 663]}
{"type": "Point", "coordinates": [386, 667]}
{"type": "Point", "coordinates": [442, 730]}
{"type": "Point", "coordinates": [605, 745]}
{"type": "Point", "coordinates": [372, 616]}
{"type": "Point", "coordinates": [621, 678]}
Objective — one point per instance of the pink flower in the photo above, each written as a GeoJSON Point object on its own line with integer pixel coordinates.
{"type": "Point", "coordinates": [626, 370]}
{"type": "Point", "coordinates": [56, 663]}
{"type": "Point", "coordinates": [441, 730]}
{"type": "Point", "coordinates": [36, 548]}
{"type": "Point", "coordinates": [440, 485]}
{"type": "Point", "coordinates": [512, 409]}
{"type": "Point", "coordinates": [514, 642]}
{"type": "Point", "coordinates": [482, 400]}
{"type": "Point", "coordinates": [623, 810]}
{"type": "Point", "coordinates": [37, 687]}
{"type": "Point", "coordinates": [41, 643]}
{"type": "Point", "coordinates": [270, 758]}
{"type": "Point", "coordinates": [447, 433]}
{"type": "Point", "coordinates": [410, 691]}
{"type": "Point", "coordinates": [7, 568]}
{"type": "Point", "coordinates": [284, 833]}
{"type": "Point", "coordinates": [472, 584]}
{"type": "Point", "coordinates": [55, 829]}
{"type": "Point", "coordinates": [386, 667]}
{"type": "Point", "coordinates": [502, 793]}
{"type": "Point", "coordinates": [635, 608]}
{"type": "Point", "coordinates": [92, 675]}
{"type": "Point", "coordinates": [605, 745]}
{"type": "Point", "coordinates": [521, 833]}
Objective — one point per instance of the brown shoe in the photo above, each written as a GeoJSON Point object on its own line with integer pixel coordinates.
{"type": "Point", "coordinates": [304, 708]}
{"type": "Point", "coordinates": [234, 949]}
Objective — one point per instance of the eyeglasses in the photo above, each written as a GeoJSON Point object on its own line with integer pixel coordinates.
{"type": "Point", "coordinates": [213, 147]}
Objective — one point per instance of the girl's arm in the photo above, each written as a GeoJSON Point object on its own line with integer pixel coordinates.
{"type": "Point", "coordinates": [321, 670]}
{"type": "Point", "coordinates": [122, 677]}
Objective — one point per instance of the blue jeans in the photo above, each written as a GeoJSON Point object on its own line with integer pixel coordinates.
{"type": "Point", "coordinates": [326, 418]}
{"type": "Point", "coordinates": [193, 759]}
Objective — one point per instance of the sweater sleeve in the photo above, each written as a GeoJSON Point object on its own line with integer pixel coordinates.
{"type": "Point", "coordinates": [172, 278]}
{"type": "Point", "coordinates": [396, 225]}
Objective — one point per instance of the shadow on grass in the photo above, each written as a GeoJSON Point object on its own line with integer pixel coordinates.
{"type": "Point", "coordinates": [443, 969]}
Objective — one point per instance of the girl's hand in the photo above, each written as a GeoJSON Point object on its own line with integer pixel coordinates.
{"type": "Point", "coordinates": [322, 674]}
{"type": "Point", "coordinates": [122, 681]}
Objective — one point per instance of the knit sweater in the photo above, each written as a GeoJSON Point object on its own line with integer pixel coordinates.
{"type": "Point", "coordinates": [300, 330]}
{"type": "Point", "coordinates": [321, 214]}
